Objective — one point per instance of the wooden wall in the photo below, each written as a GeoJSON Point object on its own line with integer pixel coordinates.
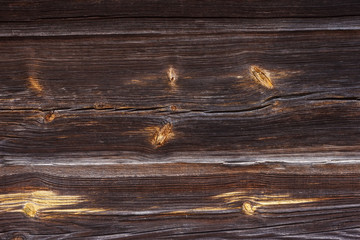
{"type": "Point", "coordinates": [179, 119]}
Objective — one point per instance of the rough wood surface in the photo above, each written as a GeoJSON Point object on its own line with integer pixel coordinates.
{"type": "Point", "coordinates": [106, 96]}
{"type": "Point", "coordinates": [179, 119]}
{"type": "Point", "coordinates": [22, 10]}
{"type": "Point", "coordinates": [180, 201]}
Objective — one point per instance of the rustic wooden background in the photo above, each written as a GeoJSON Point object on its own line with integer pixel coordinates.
{"type": "Point", "coordinates": [179, 119]}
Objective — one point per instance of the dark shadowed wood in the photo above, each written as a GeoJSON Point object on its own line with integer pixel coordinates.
{"type": "Point", "coordinates": [22, 10]}
{"type": "Point", "coordinates": [179, 119]}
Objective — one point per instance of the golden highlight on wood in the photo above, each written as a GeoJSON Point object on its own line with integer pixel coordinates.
{"type": "Point", "coordinates": [249, 208]}
{"type": "Point", "coordinates": [230, 194]}
{"type": "Point", "coordinates": [261, 76]}
{"type": "Point", "coordinates": [172, 76]}
{"type": "Point", "coordinates": [249, 204]}
{"type": "Point", "coordinates": [288, 201]}
{"type": "Point", "coordinates": [34, 84]}
{"type": "Point", "coordinates": [43, 203]}
{"type": "Point", "coordinates": [162, 135]}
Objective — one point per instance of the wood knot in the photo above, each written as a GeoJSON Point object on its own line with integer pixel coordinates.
{"type": "Point", "coordinates": [162, 135]}
{"type": "Point", "coordinates": [248, 209]}
{"type": "Point", "coordinates": [173, 108]}
{"type": "Point", "coordinates": [49, 117]}
{"type": "Point", "coordinates": [30, 209]}
{"type": "Point", "coordinates": [261, 76]}
{"type": "Point", "coordinates": [18, 237]}
{"type": "Point", "coordinates": [172, 76]}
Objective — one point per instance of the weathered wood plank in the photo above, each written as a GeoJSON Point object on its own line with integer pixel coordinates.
{"type": "Point", "coordinates": [290, 127]}
{"type": "Point", "coordinates": [179, 119]}
{"type": "Point", "coordinates": [236, 96]}
{"type": "Point", "coordinates": [21, 10]}
{"type": "Point", "coordinates": [180, 201]}
{"type": "Point", "coordinates": [214, 71]}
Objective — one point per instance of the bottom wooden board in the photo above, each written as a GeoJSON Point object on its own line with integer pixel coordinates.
{"type": "Point", "coordinates": [180, 201]}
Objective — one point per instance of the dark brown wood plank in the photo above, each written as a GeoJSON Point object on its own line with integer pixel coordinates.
{"type": "Point", "coordinates": [327, 129]}
{"type": "Point", "coordinates": [108, 96]}
{"type": "Point", "coordinates": [180, 201]}
{"type": "Point", "coordinates": [21, 10]}
{"type": "Point", "coordinates": [213, 69]}
{"type": "Point", "coordinates": [179, 119]}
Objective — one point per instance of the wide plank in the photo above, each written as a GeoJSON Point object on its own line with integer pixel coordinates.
{"type": "Point", "coordinates": [215, 92]}
{"type": "Point", "coordinates": [213, 71]}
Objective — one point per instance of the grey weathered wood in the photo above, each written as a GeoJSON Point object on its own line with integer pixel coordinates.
{"type": "Point", "coordinates": [162, 27]}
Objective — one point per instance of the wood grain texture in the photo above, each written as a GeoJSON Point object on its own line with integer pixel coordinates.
{"type": "Point", "coordinates": [179, 119]}
{"type": "Point", "coordinates": [330, 131]}
{"type": "Point", "coordinates": [22, 10]}
{"type": "Point", "coordinates": [104, 96]}
{"type": "Point", "coordinates": [181, 201]}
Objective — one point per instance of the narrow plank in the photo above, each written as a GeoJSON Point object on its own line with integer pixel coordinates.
{"type": "Point", "coordinates": [180, 201]}
{"type": "Point", "coordinates": [21, 10]}
{"type": "Point", "coordinates": [173, 26]}
{"type": "Point", "coordinates": [289, 130]}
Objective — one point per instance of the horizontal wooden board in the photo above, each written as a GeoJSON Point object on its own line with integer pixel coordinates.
{"type": "Point", "coordinates": [106, 96]}
{"type": "Point", "coordinates": [21, 10]}
{"type": "Point", "coordinates": [130, 71]}
{"type": "Point", "coordinates": [161, 27]}
{"type": "Point", "coordinates": [180, 201]}
{"type": "Point", "coordinates": [329, 128]}
{"type": "Point", "coordinates": [179, 119]}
